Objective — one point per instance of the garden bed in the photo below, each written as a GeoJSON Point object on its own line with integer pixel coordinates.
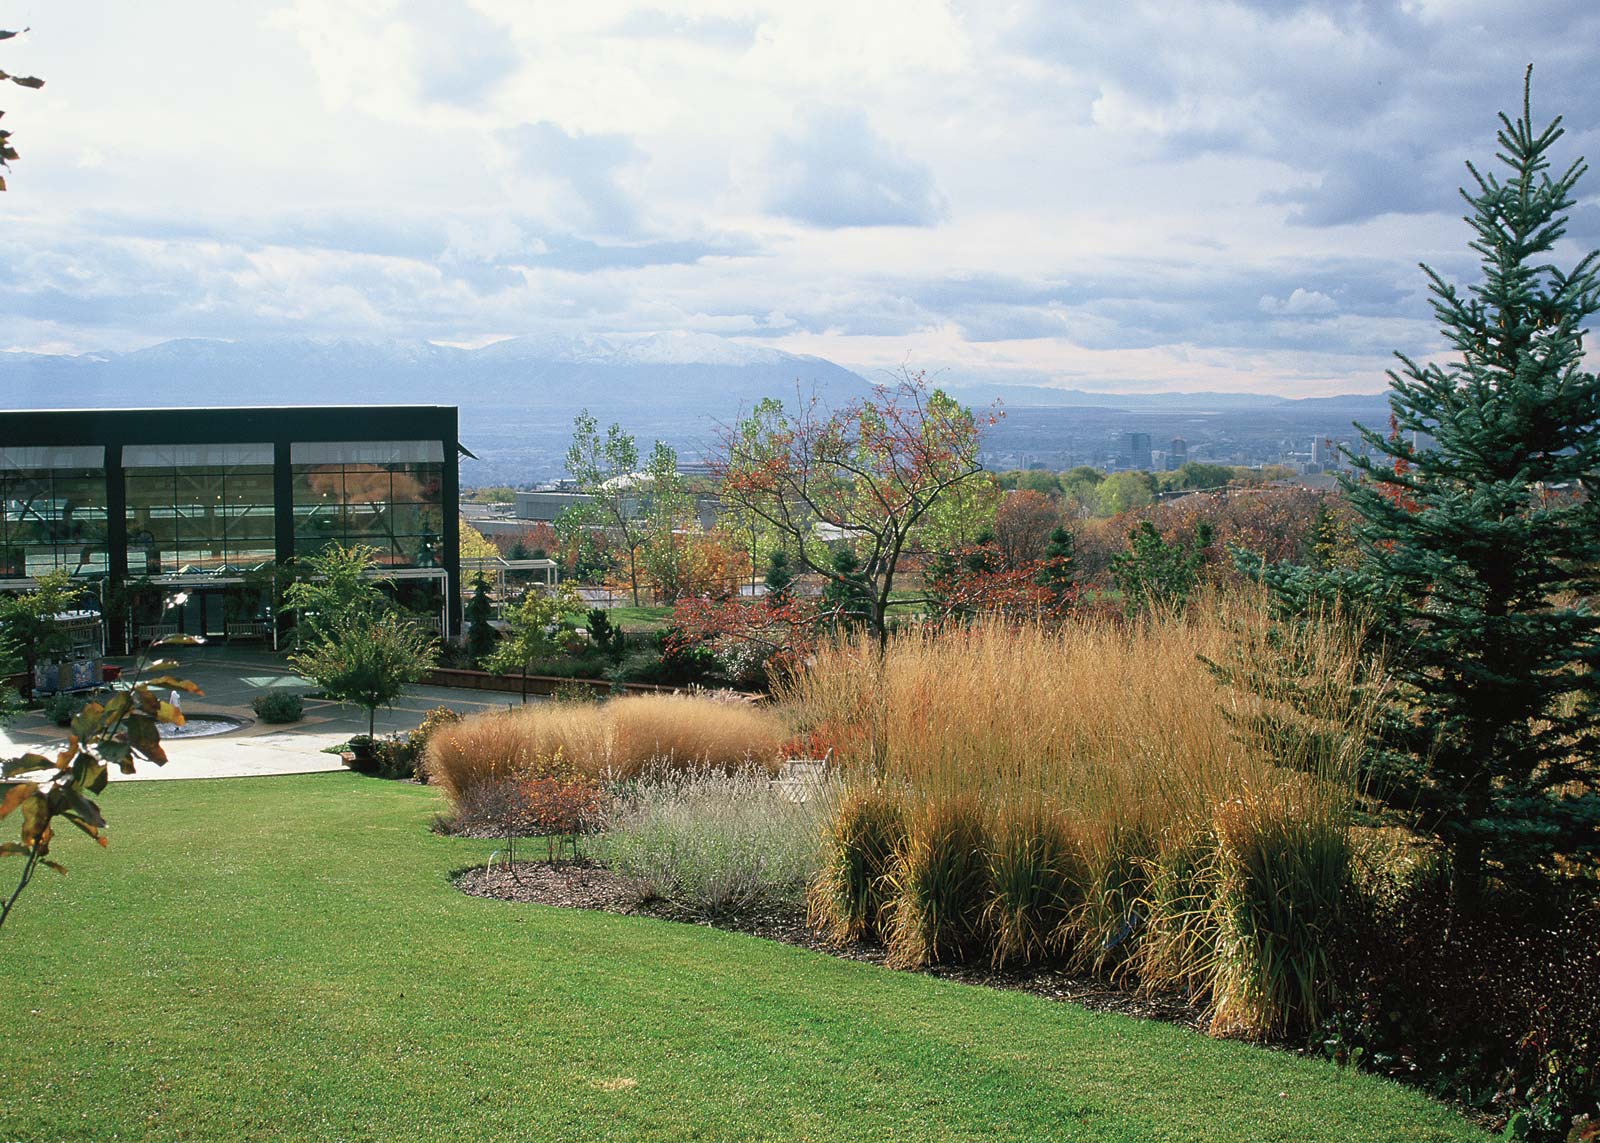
{"type": "Point", "coordinates": [585, 885]}
{"type": "Point", "coordinates": [536, 684]}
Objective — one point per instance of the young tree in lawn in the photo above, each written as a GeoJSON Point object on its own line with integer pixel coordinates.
{"type": "Point", "coordinates": [336, 587]}
{"type": "Point", "coordinates": [1479, 550]}
{"type": "Point", "coordinates": [865, 476]}
{"type": "Point", "coordinates": [368, 659]}
{"type": "Point", "coordinates": [48, 789]}
{"type": "Point", "coordinates": [532, 629]}
{"type": "Point", "coordinates": [29, 631]}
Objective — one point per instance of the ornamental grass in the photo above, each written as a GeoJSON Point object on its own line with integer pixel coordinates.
{"type": "Point", "coordinates": [1094, 796]}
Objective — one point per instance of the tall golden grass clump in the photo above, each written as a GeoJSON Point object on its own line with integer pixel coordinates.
{"type": "Point", "coordinates": [616, 739]}
{"type": "Point", "coordinates": [1105, 779]}
{"type": "Point", "coordinates": [863, 832]}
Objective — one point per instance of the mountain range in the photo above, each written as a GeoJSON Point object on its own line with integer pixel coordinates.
{"type": "Point", "coordinates": [518, 396]}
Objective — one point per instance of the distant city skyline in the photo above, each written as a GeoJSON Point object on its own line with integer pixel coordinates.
{"type": "Point", "coordinates": [1226, 195]}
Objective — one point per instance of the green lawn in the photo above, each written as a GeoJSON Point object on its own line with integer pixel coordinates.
{"type": "Point", "coordinates": [284, 958]}
{"type": "Point", "coordinates": [640, 618]}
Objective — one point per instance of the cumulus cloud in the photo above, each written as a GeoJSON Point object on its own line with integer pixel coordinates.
{"type": "Point", "coordinates": [1302, 301]}
{"type": "Point", "coordinates": [836, 171]}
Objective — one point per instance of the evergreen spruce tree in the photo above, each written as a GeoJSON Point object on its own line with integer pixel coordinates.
{"type": "Point", "coordinates": [480, 632]}
{"type": "Point", "coordinates": [1479, 531]}
{"type": "Point", "coordinates": [1057, 571]}
{"type": "Point", "coordinates": [780, 580]}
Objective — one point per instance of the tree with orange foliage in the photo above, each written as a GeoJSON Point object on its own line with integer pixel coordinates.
{"type": "Point", "coordinates": [864, 477]}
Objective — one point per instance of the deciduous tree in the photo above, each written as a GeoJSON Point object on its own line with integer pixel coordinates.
{"type": "Point", "coordinates": [865, 476]}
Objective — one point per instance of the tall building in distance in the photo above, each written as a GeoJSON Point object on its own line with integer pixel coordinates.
{"type": "Point", "coordinates": [1177, 454]}
{"type": "Point", "coordinates": [1138, 448]}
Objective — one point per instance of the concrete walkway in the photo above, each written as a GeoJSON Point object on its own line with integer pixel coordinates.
{"type": "Point", "coordinates": [231, 678]}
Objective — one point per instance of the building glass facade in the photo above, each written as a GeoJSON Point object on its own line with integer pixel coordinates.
{"type": "Point", "coordinates": [54, 511]}
{"type": "Point", "coordinates": [210, 500]}
{"type": "Point", "coordinates": [193, 509]}
{"type": "Point", "coordinates": [387, 495]}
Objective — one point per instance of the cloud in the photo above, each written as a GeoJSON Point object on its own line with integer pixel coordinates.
{"type": "Point", "coordinates": [466, 55]}
{"type": "Point", "coordinates": [716, 31]}
{"type": "Point", "coordinates": [590, 166]}
{"type": "Point", "coordinates": [1302, 301]}
{"type": "Point", "coordinates": [836, 172]}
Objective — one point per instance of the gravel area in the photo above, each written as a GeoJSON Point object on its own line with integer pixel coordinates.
{"type": "Point", "coordinates": [581, 885]}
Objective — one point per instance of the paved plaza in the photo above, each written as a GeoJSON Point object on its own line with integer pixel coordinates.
{"type": "Point", "coordinates": [231, 678]}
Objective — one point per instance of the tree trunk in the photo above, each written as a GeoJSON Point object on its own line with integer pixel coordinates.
{"type": "Point", "coordinates": [372, 728]}
{"type": "Point", "coordinates": [525, 683]}
{"type": "Point", "coordinates": [1466, 859]}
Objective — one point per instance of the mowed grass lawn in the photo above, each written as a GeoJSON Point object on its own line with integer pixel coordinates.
{"type": "Point", "coordinates": [284, 958]}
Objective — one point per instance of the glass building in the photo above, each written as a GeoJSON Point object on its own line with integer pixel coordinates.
{"type": "Point", "coordinates": [139, 503]}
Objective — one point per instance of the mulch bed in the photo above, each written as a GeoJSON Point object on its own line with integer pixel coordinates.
{"type": "Point", "coordinates": [580, 885]}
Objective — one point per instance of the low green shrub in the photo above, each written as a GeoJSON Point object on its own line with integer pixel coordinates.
{"type": "Point", "coordinates": [60, 707]}
{"type": "Point", "coordinates": [940, 883]}
{"type": "Point", "coordinates": [849, 899]}
{"type": "Point", "coordinates": [707, 842]}
{"type": "Point", "coordinates": [278, 707]}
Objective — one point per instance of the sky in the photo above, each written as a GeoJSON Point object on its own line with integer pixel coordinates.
{"type": "Point", "coordinates": [1143, 196]}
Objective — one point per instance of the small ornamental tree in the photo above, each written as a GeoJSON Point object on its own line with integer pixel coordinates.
{"type": "Point", "coordinates": [1155, 575]}
{"type": "Point", "coordinates": [336, 588]}
{"type": "Point", "coordinates": [29, 630]}
{"type": "Point", "coordinates": [533, 627]}
{"type": "Point", "coordinates": [480, 629]}
{"type": "Point", "coordinates": [369, 660]}
{"type": "Point", "coordinates": [867, 476]}
{"type": "Point", "coordinates": [1479, 551]}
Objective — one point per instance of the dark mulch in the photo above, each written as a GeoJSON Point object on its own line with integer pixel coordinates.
{"type": "Point", "coordinates": [580, 885]}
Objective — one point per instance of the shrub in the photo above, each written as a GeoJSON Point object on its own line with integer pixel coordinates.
{"type": "Point", "coordinates": [849, 897]}
{"type": "Point", "coordinates": [1499, 1008]}
{"type": "Point", "coordinates": [60, 707]}
{"type": "Point", "coordinates": [418, 739]}
{"type": "Point", "coordinates": [940, 882]}
{"type": "Point", "coordinates": [712, 841]}
{"type": "Point", "coordinates": [278, 707]}
{"type": "Point", "coordinates": [1038, 876]}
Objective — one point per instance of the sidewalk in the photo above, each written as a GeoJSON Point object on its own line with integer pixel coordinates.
{"type": "Point", "coordinates": [232, 677]}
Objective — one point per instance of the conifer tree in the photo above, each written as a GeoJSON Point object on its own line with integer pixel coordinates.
{"type": "Point", "coordinates": [779, 579]}
{"type": "Point", "coordinates": [480, 631]}
{"type": "Point", "coordinates": [1057, 571]}
{"type": "Point", "coordinates": [1478, 524]}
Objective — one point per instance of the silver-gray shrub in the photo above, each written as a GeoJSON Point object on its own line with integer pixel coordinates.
{"type": "Point", "coordinates": [708, 842]}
